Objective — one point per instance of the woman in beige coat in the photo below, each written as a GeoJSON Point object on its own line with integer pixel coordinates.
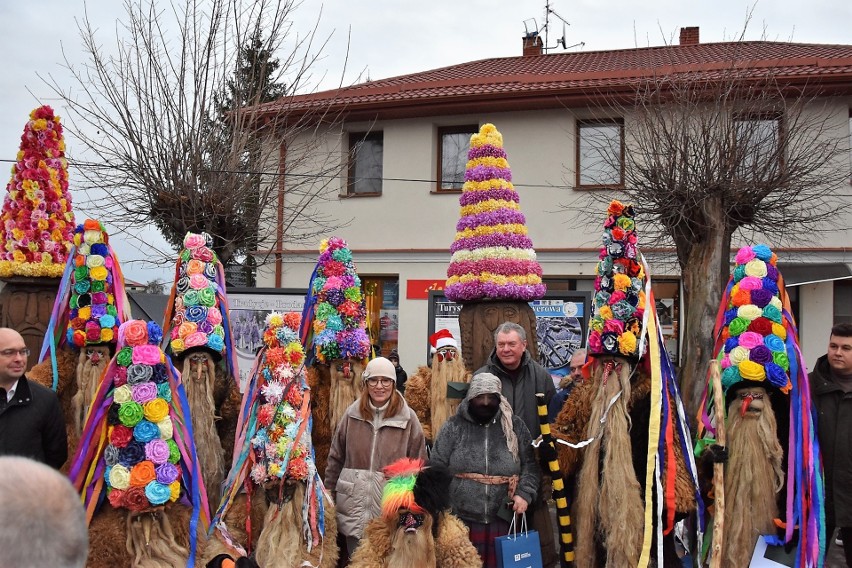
{"type": "Point", "coordinates": [376, 430]}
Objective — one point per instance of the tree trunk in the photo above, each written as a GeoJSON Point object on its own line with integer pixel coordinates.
{"type": "Point", "coordinates": [705, 271]}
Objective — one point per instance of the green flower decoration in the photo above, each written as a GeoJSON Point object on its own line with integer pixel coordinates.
{"type": "Point", "coordinates": [342, 255]}
{"type": "Point", "coordinates": [98, 286]}
{"type": "Point", "coordinates": [130, 413]}
{"type": "Point", "coordinates": [626, 223]}
{"type": "Point", "coordinates": [353, 294]}
{"type": "Point", "coordinates": [124, 357]}
{"type": "Point", "coordinates": [174, 452]}
{"type": "Point", "coordinates": [190, 298]}
{"type": "Point", "coordinates": [207, 297]}
{"type": "Point", "coordinates": [737, 326]}
{"type": "Point", "coordinates": [780, 359]}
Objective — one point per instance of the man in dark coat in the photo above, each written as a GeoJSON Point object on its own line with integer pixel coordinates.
{"type": "Point", "coordinates": [31, 421]}
{"type": "Point", "coordinates": [831, 390]}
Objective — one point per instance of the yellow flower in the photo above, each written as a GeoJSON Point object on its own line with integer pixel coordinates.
{"type": "Point", "coordinates": [621, 281]}
{"type": "Point", "coordinates": [752, 371]}
{"type": "Point", "coordinates": [511, 228]}
{"type": "Point", "coordinates": [174, 488]}
{"type": "Point", "coordinates": [39, 124]}
{"type": "Point", "coordinates": [84, 312]}
{"type": "Point", "coordinates": [606, 313]}
{"type": "Point", "coordinates": [98, 273]}
{"type": "Point", "coordinates": [779, 330]}
{"type": "Point", "coordinates": [107, 335]}
{"type": "Point", "coordinates": [156, 410]}
{"type": "Point", "coordinates": [627, 343]}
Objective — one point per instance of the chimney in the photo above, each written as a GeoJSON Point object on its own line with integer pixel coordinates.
{"type": "Point", "coordinates": [532, 44]}
{"type": "Point", "coordinates": [689, 36]}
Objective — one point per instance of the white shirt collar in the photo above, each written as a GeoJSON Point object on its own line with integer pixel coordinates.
{"type": "Point", "coordinates": [10, 394]}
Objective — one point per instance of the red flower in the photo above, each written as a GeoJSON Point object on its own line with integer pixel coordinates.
{"type": "Point", "coordinates": [761, 325]}
{"type": "Point", "coordinates": [116, 498]}
{"type": "Point", "coordinates": [135, 499]}
{"type": "Point", "coordinates": [120, 436]}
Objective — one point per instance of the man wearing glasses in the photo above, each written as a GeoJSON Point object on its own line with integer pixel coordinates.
{"type": "Point", "coordinates": [31, 421]}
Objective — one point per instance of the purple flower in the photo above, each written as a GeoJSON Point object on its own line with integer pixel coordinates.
{"type": "Point", "coordinates": [761, 297]}
{"type": "Point", "coordinates": [760, 354]}
{"type": "Point", "coordinates": [485, 151]}
{"type": "Point", "coordinates": [167, 473]}
{"type": "Point", "coordinates": [474, 197]}
{"type": "Point", "coordinates": [490, 218]}
{"type": "Point", "coordinates": [507, 240]}
{"type": "Point", "coordinates": [485, 173]}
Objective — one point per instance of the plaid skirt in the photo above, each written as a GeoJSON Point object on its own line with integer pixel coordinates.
{"type": "Point", "coordinates": [482, 537]}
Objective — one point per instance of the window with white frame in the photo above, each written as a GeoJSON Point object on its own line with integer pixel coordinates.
{"type": "Point", "coordinates": [366, 152]}
{"type": "Point", "coordinates": [600, 153]}
{"type": "Point", "coordinates": [453, 145]}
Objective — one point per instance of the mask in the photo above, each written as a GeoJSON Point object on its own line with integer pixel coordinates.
{"type": "Point", "coordinates": [483, 413]}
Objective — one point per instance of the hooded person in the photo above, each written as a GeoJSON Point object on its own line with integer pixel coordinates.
{"type": "Point", "coordinates": [772, 477]}
{"type": "Point", "coordinates": [89, 308]}
{"type": "Point", "coordinates": [275, 509]}
{"type": "Point", "coordinates": [201, 343]}
{"type": "Point", "coordinates": [334, 333]}
{"type": "Point", "coordinates": [623, 431]}
{"type": "Point", "coordinates": [427, 392]}
{"type": "Point", "coordinates": [136, 465]}
{"type": "Point", "coordinates": [489, 452]}
{"type": "Point", "coordinates": [416, 527]}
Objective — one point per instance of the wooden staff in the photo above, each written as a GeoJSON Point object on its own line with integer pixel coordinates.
{"type": "Point", "coordinates": [718, 469]}
{"type": "Point", "coordinates": [560, 495]}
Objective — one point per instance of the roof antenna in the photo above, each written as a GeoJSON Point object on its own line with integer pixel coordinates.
{"type": "Point", "coordinates": [546, 29]}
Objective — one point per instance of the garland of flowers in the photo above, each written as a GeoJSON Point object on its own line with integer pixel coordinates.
{"type": "Point", "coordinates": [619, 303]}
{"type": "Point", "coordinates": [37, 217]}
{"type": "Point", "coordinates": [754, 335]}
{"type": "Point", "coordinates": [198, 319]}
{"type": "Point", "coordinates": [339, 313]}
{"type": "Point", "coordinates": [492, 256]}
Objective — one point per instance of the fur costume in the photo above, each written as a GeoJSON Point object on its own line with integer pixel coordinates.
{"type": "Point", "coordinates": [429, 401]}
{"type": "Point", "coordinates": [407, 533]}
{"type": "Point", "coordinates": [273, 472]}
{"type": "Point", "coordinates": [136, 464]}
{"type": "Point", "coordinates": [627, 443]}
{"type": "Point", "coordinates": [90, 305]}
{"type": "Point", "coordinates": [768, 420]}
{"type": "Point", "coordinates": [333, 331]}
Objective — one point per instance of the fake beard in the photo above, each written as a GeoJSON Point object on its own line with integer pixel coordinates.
{"type": "Point", "coordinates": [412, 548]}
{"type": "Point", "coordinates": [280, 542]}
{"type": "Point", "coordinates": [152, 543]}
{"type": "Point", "coordinates": [198, 377]}
{"type": "Point", "coordinates": [443, 372]}
{"type": "Point", "coordinates": [345, 374]}
{"type": "Point", "coordinates": [90, 366]}
{"type": "Point", "coordinates": [753, 478]}
{"type": "Point", "coordinates": [609, 501]}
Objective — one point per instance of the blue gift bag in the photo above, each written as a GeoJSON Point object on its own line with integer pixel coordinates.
{"type": "Point", "coordinates": [518, 549]}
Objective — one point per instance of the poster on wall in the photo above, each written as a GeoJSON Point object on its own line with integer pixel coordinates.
{"type": "Point", "coordinates": [248, 310]}
{"type": "Point", "coordinates": [561, 325]}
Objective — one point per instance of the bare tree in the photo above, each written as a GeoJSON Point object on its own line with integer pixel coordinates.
{"type": "Point", "coordinates": [168, 115]}
{"type": "Point", "coordinates": [709, 157]}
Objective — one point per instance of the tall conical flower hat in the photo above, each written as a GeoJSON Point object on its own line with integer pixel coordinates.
{"type": "Point", "coordinates": [37, 218]}
{"type": "Point", "coordinates": [492, 256]}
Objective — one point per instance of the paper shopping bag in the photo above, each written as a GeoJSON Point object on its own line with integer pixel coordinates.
{"type": "Point", "coordinates": [518, 549]}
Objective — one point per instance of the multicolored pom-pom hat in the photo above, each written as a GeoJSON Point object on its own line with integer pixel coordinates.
{"type": "Point", "coordinates": [334, 320]}
{"type": "Point", "coordinates": [753, 334]}
{"type": "Point", "coordinates": [91, 302]}
{"type": "Point", "coordinates": [137, 447]}
{"type": "Point", "coordinates": [618, 309]}
{"type": "Point", "coordinates": [757, 344]}
{"type": "Point", "coordinates": [492, 255]}
{"type": "Point", "coordinates": [197, 312]}
{"type": "Point", "coordinates": [274, 430]}
{"type": "Point", "coordinates": [37, 219]}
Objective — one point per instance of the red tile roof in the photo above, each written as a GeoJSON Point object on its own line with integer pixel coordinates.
{"type": "Point", "coordinates": [567, 79]}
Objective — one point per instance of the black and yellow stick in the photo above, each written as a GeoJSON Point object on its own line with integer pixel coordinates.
{"type": "Point", "coordinates": [560, 494]}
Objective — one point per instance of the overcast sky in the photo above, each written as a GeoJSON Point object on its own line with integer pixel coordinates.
{"type": "Point", "coordinates": [396, 37]}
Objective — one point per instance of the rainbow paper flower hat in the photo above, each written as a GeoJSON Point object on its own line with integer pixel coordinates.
{"type": "Point", "coordinates": [619, 302]}
{"type": "Point", "coordinates": [279, 447]}
{"type": "Point", "coordinates": [334, 321]}
{"type": "Point", "coordinates": [492, 256]}
{"type": "Point", "coordinates": [754, 333]}
{"type": "Point", "coordinates": [96, 288]}
{"type": "Point", "coordinates": [37, 217]}
{"type": "Point", "coordinates": [143, 460]}
{"type": "Point", "coordinates": [197, 321]}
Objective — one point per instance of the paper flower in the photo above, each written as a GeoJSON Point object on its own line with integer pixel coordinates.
{"type": "Point", "coordinates": [37, 219]}
{"type": "Point", "coordinates": [493, 258]}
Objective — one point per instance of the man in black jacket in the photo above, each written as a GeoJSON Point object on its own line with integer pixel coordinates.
{"type": "Point", "coordinates": [831, 390]}
{"type": "Point", "coordinates": [31, 421]}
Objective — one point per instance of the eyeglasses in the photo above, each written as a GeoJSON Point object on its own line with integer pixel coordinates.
{"type": "Point", "coordinates": [374, 381]}
{"type": "Point", "coordinates": [447, 353]}
{"type": "Point", "coordinates": [25, 352]}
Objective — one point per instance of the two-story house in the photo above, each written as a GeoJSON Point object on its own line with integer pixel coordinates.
{"type": "Point", "coordinates": [400, 146]}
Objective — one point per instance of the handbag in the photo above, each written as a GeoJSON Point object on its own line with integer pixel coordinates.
{"type": "Point", "coordinates": [518, 549]}
{"type": "Point", "coordinates": [457, 390]}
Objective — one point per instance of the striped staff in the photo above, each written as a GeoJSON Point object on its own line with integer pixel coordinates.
{"type": "Point", "coordinates": [548, 451]}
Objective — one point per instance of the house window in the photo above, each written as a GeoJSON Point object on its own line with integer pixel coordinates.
{"type": "Point", "coordinates": [600, 154]}
{"type": "Point", "coordinates": [453, 144]}
{"type": "Point", "coordinates": [758, 152]}
{"type": "Point", "coordinates": [365, 163]}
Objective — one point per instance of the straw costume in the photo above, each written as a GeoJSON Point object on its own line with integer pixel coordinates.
{"type": "Point", "coordinates": [772, 479]}
{"type": "Point", "coordinates": [416, 527]}
{"type": "Point", "coordinates": [200, 340]}
{"type": "Point", "coordinates": [631, 444]}
{"type": "Point", "coordinates": [334, 333]}
{"type": "Point", "coordinates": [136, 465]}
{"type": "Point", "coordinates": [426, 391]}
{"type": "Point", "coordinates": [275, 508]}
{"type": "Point", "coordinates": [89, 308]}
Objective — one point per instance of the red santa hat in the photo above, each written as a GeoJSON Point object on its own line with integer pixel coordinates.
{"type": "Point", "coordinates": [442, 338]}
